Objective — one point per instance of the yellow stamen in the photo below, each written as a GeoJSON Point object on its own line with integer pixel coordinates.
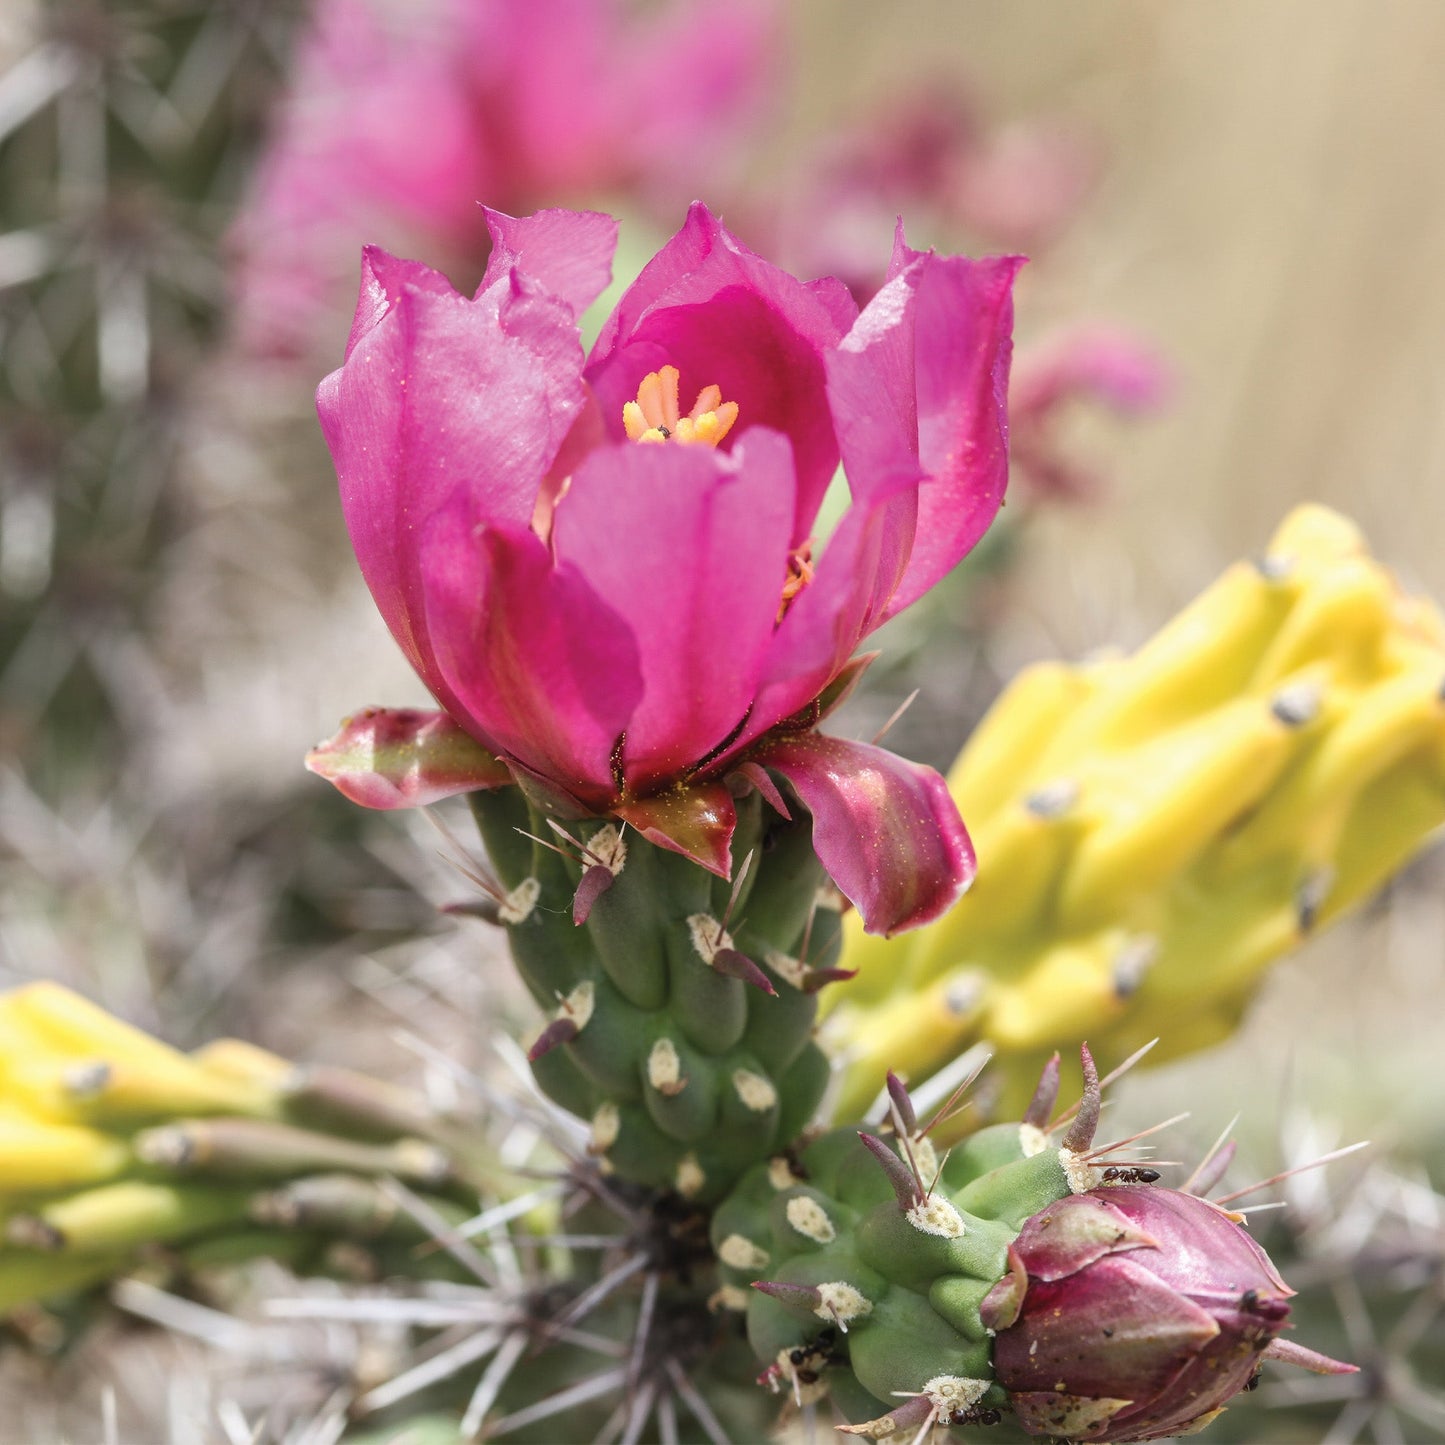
{"type": "Point", "coordinates": [800, 573]}
{"type": "Point", "coordinates": [655, 417]}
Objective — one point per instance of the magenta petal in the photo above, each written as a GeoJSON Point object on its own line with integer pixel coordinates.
{"type": "Point", "coordinates": [532, 657]}
{"type": "Point", "coordinates": [918, 391]}
{"type": "Point", "coordinates": [401, 758]}
{"type": "Point", "coordinates": [962, 344]}
{"type": "Point", "coordinates": [697, 822]}
{"type": "Point", "coordinates": [569, 253]}
{"type": "Point", "coordinates": [886, 830]}
{"type": "Point", "coordinates": [716, 529]}
{"type": "Point", "coordinates": [723, 316]}
{"type": "Point", "coordinates": [443, 402]}
{"type": "Point", "coordinates": [856, 575]}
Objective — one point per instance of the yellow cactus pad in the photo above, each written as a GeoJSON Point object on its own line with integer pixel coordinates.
{"type": "Point", "coordinates": [1153, 831]}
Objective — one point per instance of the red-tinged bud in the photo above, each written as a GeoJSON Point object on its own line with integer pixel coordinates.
{"type": "Point", "coordinates": [1144, 1311]}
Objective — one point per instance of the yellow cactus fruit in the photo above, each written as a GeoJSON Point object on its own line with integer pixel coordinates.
{"type": "Point", "coordinates": [1154, 831]}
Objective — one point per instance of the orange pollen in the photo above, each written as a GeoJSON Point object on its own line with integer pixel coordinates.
{"type": "Point", "coordinates": [654, 416]}
{"type": "Point", "coordinates": [800, 573]}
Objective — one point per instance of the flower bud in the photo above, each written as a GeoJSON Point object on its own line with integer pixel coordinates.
{"type": "Point", "coordinates": [1131, 1312]}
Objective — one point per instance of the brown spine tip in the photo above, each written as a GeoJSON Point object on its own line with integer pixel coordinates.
{"type": "Point", "coordinates": [898, 1093]}
{"type": "Point", "coordinates": [1086, 1121]}
{"type": "Point", "coordinates": [558, 1032]}
{"type": "Point", "coordinates": [732, 964]}
{"type": "Point", "coordinates": [595, 882]}
{"type": "Point", "coordinates": [1046, 1095]}
{"type": "Point", "coordinates": [900, 1176]}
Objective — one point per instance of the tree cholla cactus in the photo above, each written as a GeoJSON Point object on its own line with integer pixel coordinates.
{"type": "Point", "coordinates": [1153, 831]}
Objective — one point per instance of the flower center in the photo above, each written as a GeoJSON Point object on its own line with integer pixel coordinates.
{"type": "Point", "coordinates": [800, 574]}
{"type": "Point", "coordinates": [654, 416]}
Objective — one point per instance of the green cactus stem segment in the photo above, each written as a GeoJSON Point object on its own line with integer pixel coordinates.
{"type": "Point", "coordinates": [680, 1007]}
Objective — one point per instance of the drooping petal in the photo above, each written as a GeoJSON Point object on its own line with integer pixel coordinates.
{"type": "Point", "coordinates": [716, 529]}
{"type": "Point", "coordinates": [885, 829]}
{"type": "Point", "coordinates": [443, 402]}
{"type": "Point", "coordinates": [569, 253]}
{"type": "Point", "coordinates": [536, 661]}
{"type": "Point", "coordinates": [723, 316]}
{"type": "Point", "coordinates": [696, 821]}
{"type": "Point", "coordinates": [402, 758]}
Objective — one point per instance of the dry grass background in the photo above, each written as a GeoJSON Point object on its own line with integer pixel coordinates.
{"type": "Point", "coordinates": [1272, 214]}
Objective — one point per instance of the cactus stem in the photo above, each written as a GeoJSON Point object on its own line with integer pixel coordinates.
{"type": "Point", "coordinates": [905, 1186]}
{"type": "Point", "coordinates": [1290, 1173]}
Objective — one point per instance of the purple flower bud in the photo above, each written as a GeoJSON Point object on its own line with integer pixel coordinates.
{"type": "Point", "coordinates": [1132, 1313]}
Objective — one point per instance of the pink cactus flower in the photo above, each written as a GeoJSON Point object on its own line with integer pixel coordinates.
{"type": "Point", "coordinates": [1134, 1312]}
{"type": "Point", "coordinates": [608, 571]}
{"type": "Point", "coordinates": [401, 115]}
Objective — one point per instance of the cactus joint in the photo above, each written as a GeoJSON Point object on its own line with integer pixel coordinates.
{"type": "Point", "coordinates": [810, 1219]}
{"type": "Point", "coordinates": [517, 906]}
{"type": "Point", "coordinates": [757, 1093]}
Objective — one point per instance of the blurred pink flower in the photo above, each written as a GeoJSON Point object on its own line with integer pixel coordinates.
{"type": "Point", "coordinates": [931, 155]}
{"type": "Point", "coordinates": [616, 593]}
{"type": "Point", "coordinates": [403, 116]}
{"type": "Point", "coordinates": [1106, 365]}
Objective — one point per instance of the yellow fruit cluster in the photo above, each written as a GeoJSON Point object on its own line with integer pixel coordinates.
{"type": "Point", "coordinates": [1154, 830]}
{"type": "Point", "coordinates": [113, 1144]}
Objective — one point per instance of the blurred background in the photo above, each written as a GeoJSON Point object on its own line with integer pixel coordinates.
{"type": "Point", "coordinates": [1234, 214]}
